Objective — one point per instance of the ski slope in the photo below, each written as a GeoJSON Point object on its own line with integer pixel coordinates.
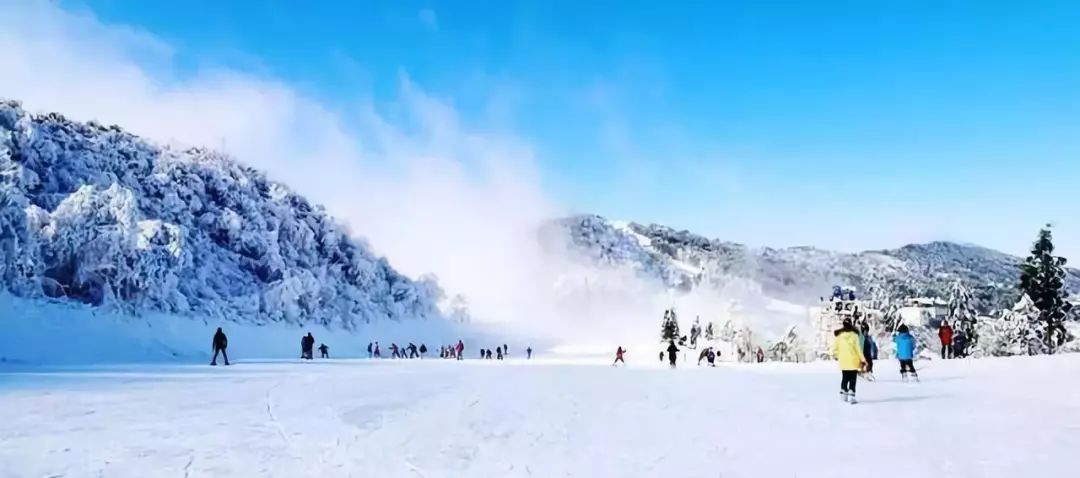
{"type": "Point", "coordinates": [544, 418]}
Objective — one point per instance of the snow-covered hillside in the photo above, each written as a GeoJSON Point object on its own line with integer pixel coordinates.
{"type": "Point", "coordinates": [684, 261]}
{"type": "Point", "coordinates": [550, 417]}
{"type": "Point", "coordinates": [90, 214]}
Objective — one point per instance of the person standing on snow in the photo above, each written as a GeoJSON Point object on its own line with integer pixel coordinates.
{"type": "Point", "coordinates": [870, 351]}
{"type": "Point", "coordinates": [849, 355]}
{"type": "Point", "coordinates": [672, 353]}
{"type": "Point", "coordinates": [460, 349]}
{"type": "Point", "coordinates": [423, 350]}
{"type": "Point", "coordinates": [309, 346]}
{"type": "Point", "coordinates": [369, 354]}
{"type": "Point", "coordinates": [959, 344]}
{"type": "Point", "coordinates": [219, 344]}
{"type": "Point", "coordinates": [324, 351]}
{"type": "Point", "coordinates": [528, 353]}
{"type": "Point", "coordinates": [378, 354]}
{"type": "Point", "coordinates": [945, 333]}
{"type": "Point", "coordinates": [619, 356]}
{"type": "Point", "coordinates": [498, 353]}
{"type": "Point", "coordinates": [905, 352]}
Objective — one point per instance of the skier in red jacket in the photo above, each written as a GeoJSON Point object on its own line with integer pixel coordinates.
{"type": "Point", "coordinates": [619, 356]}
{"type": "Point", "coordinates": [460, 349]}
{"type": "Point", "coordinates": [945, 333]}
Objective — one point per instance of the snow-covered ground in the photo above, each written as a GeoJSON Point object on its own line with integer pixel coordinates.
{"type": "Point", "coordinates": [545, 418]}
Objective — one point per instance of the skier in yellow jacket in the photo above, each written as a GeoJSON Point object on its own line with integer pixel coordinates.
{"type": "Point", "coordinates": [848, 352]}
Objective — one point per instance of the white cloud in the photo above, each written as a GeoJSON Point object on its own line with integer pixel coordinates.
{"type": "Point", "coordinates": [429, 19]}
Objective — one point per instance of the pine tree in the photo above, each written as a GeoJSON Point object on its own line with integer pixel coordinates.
{"type": "Point", "coordinates": [1042, 277]}
{"type": "Point", "coordinates": [962, 312]}
{"type": "Point", "coordinates": [709, 335]}
{"type": "Point", "coordinates": [670, 327]}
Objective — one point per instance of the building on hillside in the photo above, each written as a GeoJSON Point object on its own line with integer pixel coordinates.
{"type": "Point", "coordinates": [924, 312]}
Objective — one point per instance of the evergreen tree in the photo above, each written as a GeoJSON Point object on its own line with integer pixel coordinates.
{"type": "Point", "coordinates": [1042, 277]}
{"type": "Point", "coordinates": [962, 311]}
{"type": "Point", "coordinates": [670, 327]}
{"type": "Point", "coordinates": [709, 335]}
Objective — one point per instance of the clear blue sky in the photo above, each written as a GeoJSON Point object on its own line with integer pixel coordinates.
{"type": "Point", "coordinates": [769, 122]}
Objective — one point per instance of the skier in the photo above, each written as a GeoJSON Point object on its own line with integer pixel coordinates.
{"type": "Point", "coordinates": [488, 353]}
{"type": "Point", "coordinates": [703, 355]}
{"type": "Point", "coordinates": [711, 357]}
{"type": "Point", "coordinates": [849, 354]}
{"type": "Point", "coordinates": [394, 351]}
{"type": "Point", "coordinates": [528, 353]}
{"type": "Point", "coordinates": [219, 344]}
{"type": "Point", "coordinates": [412, 351]}
{"type": "Point", "coordinates": [945, 333]}
{"type": "Point", "coordinates": [461, 349]}
{"type": "Point", "coordinates": [870, 351]}
{"type": "Point", "coordinates": [377, 353]}
{"type": "Point", "coordinates": [506, 350]}
{"type": "Point", "coordinates": [499, 353]}
{"type": "Point", "coordinates": [760, 355]}
{"type": "Point", "coordinates": [423, 350]}
{"type": "Point", "coordinates": [619, 356]}
{"type": "Point", "coordinates": [661, 356]}
{"type": "Point", "coordinates": [672, 352]}
{"type": "Point", "coordinates": [324, 351]}
{"type": "Point", "coordinates": [905, 353]}
{"type": "Point", "coordinates": [369, 354]}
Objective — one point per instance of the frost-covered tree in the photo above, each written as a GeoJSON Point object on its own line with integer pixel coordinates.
{"type": "Point", "coordinates": [1042, 279]}
{"type": "Point", "coordinates": [1013, 332]}
{"type": "Point", "coordinates": [962, 313]}
{"type": "Point", "coordinates": [788, 348]}
{"type": "Point", "coordinates": [96, 215]}
{"type": "Point", "coordinates": [709, 335]}
{"type": "Point", "coordinates": [670, 327]}
{"type": "Point", "coordinates": [695, 331]}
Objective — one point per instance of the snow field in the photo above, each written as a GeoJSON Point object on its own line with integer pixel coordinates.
{"type": "Point", "coordinates": [559, 417]}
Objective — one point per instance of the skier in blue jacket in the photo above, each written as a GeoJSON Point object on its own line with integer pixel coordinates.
{"type": "Point", "coordinates": [905, 352]}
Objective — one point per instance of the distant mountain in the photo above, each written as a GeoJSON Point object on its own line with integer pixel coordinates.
{"type": "Point", "coordinates": [684, 261]}
{"type": "Point", "coordinates": [92, 214]}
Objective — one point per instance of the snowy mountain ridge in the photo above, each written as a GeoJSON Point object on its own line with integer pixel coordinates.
{"type": "Point", "coordinates": [94, 215]}
{"type": "Point", "coordinates": [684, 261]}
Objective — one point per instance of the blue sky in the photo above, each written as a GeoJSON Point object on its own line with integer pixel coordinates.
{"type": "Point", "coordinates": [846, 124]}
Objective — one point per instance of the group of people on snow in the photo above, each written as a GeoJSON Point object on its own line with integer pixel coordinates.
{"type": "Point", "coordinates": [456, 351]}
{"type": "Point", "coordinates": [855, 352]}
{"type": "Point", "coordinates": [307, 347]}
{"type": "Point", "coordinates": [953, 342]}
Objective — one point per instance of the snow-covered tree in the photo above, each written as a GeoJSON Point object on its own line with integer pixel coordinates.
{"type": "Point", "coordinates": [1013, 332]}
{"type": "Point", "coordinates": [1042, 279]}
{"type": "Point", "coordinates": [670, 327]}
{"type": "Point", "coordinates": [96, 215]}
{"type": "Point", "coordinates": [788, 348]}
{"type": "Point", "coordinates": [962, 313]}
{"type": "Point", "coordinates": [695, 331]}
{"type": "Point", "coordinates": [709, 335]}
